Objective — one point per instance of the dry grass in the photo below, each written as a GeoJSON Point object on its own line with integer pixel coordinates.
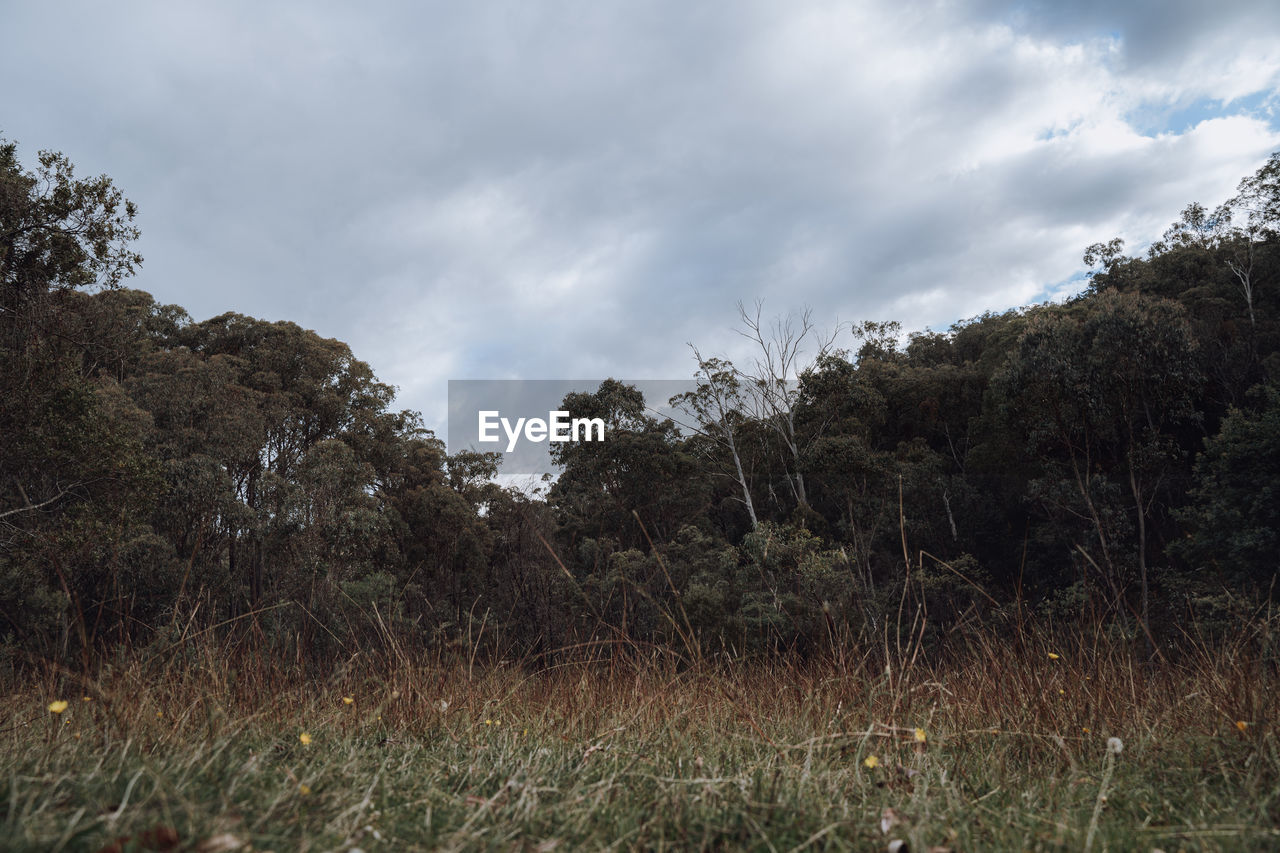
{"type": "Point", "coordinates": [650, 754]}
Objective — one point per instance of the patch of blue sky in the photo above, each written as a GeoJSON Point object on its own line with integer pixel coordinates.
{"type": "Point", "coordinates": [1057, 131]}
{"type": "Point", "coordinates": [1063, 290]}
{"type": "Point", "coordinates": [1155, 119]}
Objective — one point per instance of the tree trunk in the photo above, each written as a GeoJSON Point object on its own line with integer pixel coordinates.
{"type": "Point", "coordinates": [742, 481]}
{"type": "Point", "coordinates": [1142, 555]}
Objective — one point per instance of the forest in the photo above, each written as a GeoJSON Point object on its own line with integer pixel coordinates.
{"type": "Point", "coordinates": [1114, 458]}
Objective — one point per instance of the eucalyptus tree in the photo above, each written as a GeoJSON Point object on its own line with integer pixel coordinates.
{"type": "Point", "coordinates": [75, 481]}
{"type": "Point", "coordinates": [57, 233]}
{"type": "Point", "coordinates": [1098, 388]}
{"type": "Point", "coordinates": [1258, 197]}
{"type": "Point", "coordinates": [1234, 513]}
{"type": "Point", "coordinates": [772, 382]}
{"type": "Point", "coordinates": [717, 407]}
{"type": "Point", "coordinates": [638, 484]}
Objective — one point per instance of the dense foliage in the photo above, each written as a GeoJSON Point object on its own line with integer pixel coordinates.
{"type": "Point", "coordinates": [1117, 455]}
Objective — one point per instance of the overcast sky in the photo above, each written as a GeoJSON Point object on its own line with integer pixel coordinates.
{"type": "Point", "coordinates": [536, 189]}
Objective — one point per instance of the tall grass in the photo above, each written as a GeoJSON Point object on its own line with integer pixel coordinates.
{"type": "Point", "coordinates": [1000, 745]}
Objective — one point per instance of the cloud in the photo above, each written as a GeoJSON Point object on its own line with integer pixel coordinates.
{"type": "Point", "coordinates": [552, 190]}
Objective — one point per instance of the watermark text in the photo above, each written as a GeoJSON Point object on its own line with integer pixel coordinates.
{"type": "Point", "coordinates": [558, 427]}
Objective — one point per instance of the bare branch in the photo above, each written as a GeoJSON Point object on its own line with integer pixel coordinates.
{"type": "Point", "coordinates": [30, 507]}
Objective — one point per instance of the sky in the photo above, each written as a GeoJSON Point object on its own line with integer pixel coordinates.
{"type": "Point", "coordinates": [541, 189]}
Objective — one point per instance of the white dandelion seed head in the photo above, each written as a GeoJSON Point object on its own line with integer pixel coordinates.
{"type": "Point", "coordinates": [1115, 746]}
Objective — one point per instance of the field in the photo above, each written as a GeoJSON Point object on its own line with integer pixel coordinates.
{"type": "Point", "coordinates": [1009, 745]}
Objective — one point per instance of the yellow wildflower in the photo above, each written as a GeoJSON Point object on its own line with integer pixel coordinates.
{"type": "Point", "coordinates": [1052, 656]}
{"type": "Point", "coordinates": [871, 761]}
{"type": "Point", "coordinates": [921, 737]}
{"type": "Point", "coordinates": [304, 788]}
{"type": "Point", "coordinates": [305, 738]}
{"type": "Point", "coordinates": [347, 700]}
{"type": "Point", "coordinates": [1240, 724]}
{"type": "Point", "coordinates": [58, 707]}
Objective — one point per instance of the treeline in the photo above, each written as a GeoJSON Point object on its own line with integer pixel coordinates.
{"type": "Point", "coordinates": [1115, 458]}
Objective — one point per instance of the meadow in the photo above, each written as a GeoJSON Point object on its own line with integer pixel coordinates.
{"type": "Point", "coordinates": [1016, 741]}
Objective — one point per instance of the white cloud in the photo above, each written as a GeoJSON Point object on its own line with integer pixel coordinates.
{"type": "Point", "coordinates": [507, 189]}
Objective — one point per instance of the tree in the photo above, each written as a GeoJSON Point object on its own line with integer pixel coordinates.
{"type": "Point", "coordinates": [641, 469]}
{"type": "Point", "coordinates": [1234, 515]}
{"type": "Point", "coordinates": [1098, 387]}
{"type": "Point", "coordinates": [75, 482]}
{"type": "Point", "coordinates": [1104, 256]}
{"type": "Point", "coordinates": [716, 405]}
{"type": "Point", "coordinates": [1258, 197]}
{"type": "Point", "coordinates": [772, 385]}
{"type": "Point", "coordinates": [57, 232]}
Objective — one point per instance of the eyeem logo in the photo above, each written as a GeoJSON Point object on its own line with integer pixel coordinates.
{"type": "Point", "coordinates": [525, 423]}
{"type": "Point", "coordinates": [559, 427]}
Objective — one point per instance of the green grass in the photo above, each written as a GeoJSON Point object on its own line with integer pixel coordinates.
{"type": "Point", "coordinates": [650, 756]}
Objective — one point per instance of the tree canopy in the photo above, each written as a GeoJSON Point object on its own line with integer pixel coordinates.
{"type": "Point", "coordinates": [1116, 454]}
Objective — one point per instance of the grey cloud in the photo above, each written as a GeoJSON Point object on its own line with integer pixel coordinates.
{"type": "Point", "coordinates": [1153, 32]}
{"type": "Point", "coordinates": [511, 189]}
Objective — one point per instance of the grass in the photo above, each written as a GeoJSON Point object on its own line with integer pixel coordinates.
{"type": "Point", "coordinates": [650, 755]}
